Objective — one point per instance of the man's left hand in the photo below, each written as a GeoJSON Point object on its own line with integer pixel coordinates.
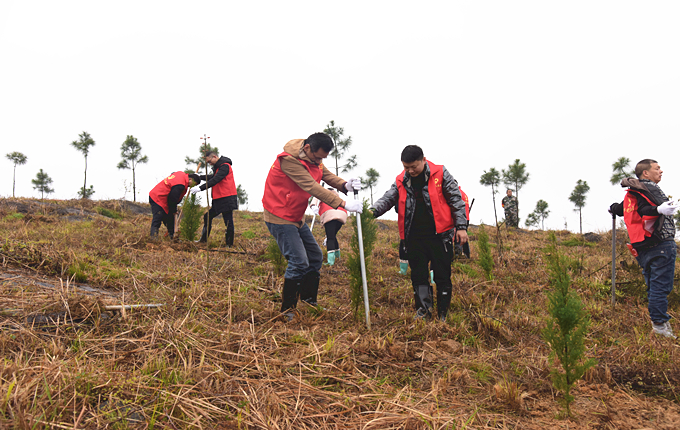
{"type": "Point", "coordinates": [196, 189]}
{"type": "Point", "coordinates": [461, 236]}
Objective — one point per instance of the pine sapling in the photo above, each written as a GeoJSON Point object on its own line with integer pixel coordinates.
{"type": "Point", "coordinates": [275, 256]}
{"type": "Point", "coordinates": [191, 217]}
{"type": "Point", "coordinates": [485, 257]}
{"type": "Point", "coordinates": [369, 234]}
{"type": "Point", "coordinates": [566, 328]}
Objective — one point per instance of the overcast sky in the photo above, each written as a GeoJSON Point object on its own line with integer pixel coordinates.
{"type": "Point", "coordinates": [566, 87]}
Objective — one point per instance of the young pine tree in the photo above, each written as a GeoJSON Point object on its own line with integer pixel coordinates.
{"type": "Point", "coordinates": [369, 234]}
{"type": "Point", "coordinates": [191, 217]}
{"type": "Point", "coordinates": [485, 257]}
{"type": "Point", "coordinates": [566, 329]}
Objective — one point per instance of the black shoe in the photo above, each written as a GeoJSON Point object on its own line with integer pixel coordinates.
{"type": "Point", "coordinates": [422, 313]}
{"type": "Point", "coordinates": [229, 238]}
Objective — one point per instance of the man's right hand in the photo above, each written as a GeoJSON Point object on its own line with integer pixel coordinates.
{"type": "Point", "coordinates": [667, 208]}
{"type": "Point", "coordinates": [196, 189]}
{"type": "Point", "coordinates": [354, 206]}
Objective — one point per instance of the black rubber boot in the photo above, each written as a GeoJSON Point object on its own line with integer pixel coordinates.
{"type": "Point", "coordinates": [229, 238]}
{"type": "Point", "coordinates": [423, 296]}
{"type": "Point", "coordinates": [310, 288]}
{"type": "Point", "coordinates": [443, 302]}
{"type": "Point", "coordinates": [154, 232]}
{"type": "Point", "coordinates": [289, 295]}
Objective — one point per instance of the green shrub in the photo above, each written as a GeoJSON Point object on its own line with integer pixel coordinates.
{"type": "Point", "coordinates": [275, 256]}
{"type": "Point", "coordinates": [485, 257]}
{"type": "Point", "coordinates": [249, 234]}
{"type": "Point", "coordinates": [13, 216]}
{"type": "Point", "coordinates": [566, 329]}
{"type": "Point", "coordinates": [191, 217]}
{"type": "Point", "coordinates": [108, 213]}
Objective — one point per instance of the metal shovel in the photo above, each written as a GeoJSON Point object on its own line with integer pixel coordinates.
{"type": "Point", "coordinates": [363, 266]}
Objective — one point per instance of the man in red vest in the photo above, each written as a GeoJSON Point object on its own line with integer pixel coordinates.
{"type": "Point", "coordinates": [648, 215]}
{"type": "Point", "coordinates": [295, 175]}
{"type": "Point", "coordinates": [164, 198]}
{"type": "Point", "coordinates": [223, 194]}
{"type": "Point", "coordinates": [431, 211]}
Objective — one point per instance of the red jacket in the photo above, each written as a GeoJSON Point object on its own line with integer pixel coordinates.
{"type": "Point", "coordinates": [160, 192]}
{"type": "Point", "coordinates": [282, 196]}
{"type": "Point", "coordinates": [443, 220]}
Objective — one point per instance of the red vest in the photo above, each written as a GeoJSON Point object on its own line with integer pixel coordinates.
{"type": "Point", "coordinates": [159, 193]}
{"type": "Point", "coordinates": [639, 227]}
{"type": "Point", "coordinates": [226, 187]}
{"type": "Point", "coordinates": [282, 196]}
{"type": "Point", "coordinates": [443, 220]}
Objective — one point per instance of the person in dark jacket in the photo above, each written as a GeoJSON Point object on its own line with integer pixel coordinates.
{"type": "Point", "coordinates": [224, 196]}
{"type": "Point", "coordinates": [648, 215]}
{"type": "Point", "coordinates": [165, 197]}
{"type": "Point", "coordinates": [431, 210]}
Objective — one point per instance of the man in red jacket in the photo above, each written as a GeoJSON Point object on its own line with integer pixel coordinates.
{"type": "Point", "coordinates": [165, 197]}
{"type": "Point", "coordinates": [224, 202]}
{"type": "Point", "coordinates": [294, 176]}
{"type": "Point", "coordinates": [431, 212]}
{"type": "Point", "coordinates": [648, 214]}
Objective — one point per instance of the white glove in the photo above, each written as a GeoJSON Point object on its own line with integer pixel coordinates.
{"type": "Point", "coordinates": [667, 208]}
{"type": "Point", "coordinates": [354, 205]}
{"type": "Point", "coordinates": [196, 189]}
{"type": "Point", "coordinates": [315, 209]}
{"type": "Point", "coordinates": [352, 185]}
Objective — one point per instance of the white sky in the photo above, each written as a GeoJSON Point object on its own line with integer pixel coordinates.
{"type": "Point", "coordinates": [566, 87]}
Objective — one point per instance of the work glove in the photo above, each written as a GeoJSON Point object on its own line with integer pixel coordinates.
{"type": "Point", "coordinates": [352, 185]}
{"type": "Point", "coordinates": [667, 208]}
{"type": "Point", "coordinates": [196, 189]}
{"type": "Point", "coordinates": [354, 205]}
{"type": "Point", "coordinates": [315, 209]}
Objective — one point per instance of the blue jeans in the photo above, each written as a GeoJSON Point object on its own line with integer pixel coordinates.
{"type": "Point", "coordinates": [299, 247]}
{"type": "Point", "coordinates": [658, 268]}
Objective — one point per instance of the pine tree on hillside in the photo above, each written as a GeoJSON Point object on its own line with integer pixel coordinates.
{"type": "Point", "coordinates": [42, 183]}
{"type": "Point", "coordinates": [18, 159]}
{"type": "Point", "coordinates": [130, 151]}
{"type": "Point", "coordinates": [578, 198]}
{"type": "Point", "coordinates": [621, 170]}
{"type": "Point", "coordinates": [192, 214]}
{"type": "Point", "coordinates": [83, 145]}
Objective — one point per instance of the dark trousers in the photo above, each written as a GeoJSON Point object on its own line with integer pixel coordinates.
{"type": "Point", "coordinates": [332, 228]}
{"type": "Point", "coordinates": [658, 268]}
{"type": "Point", "coordinates": [161, 217]}
{"type": "Point", "coordinates": [228, 217]}
{"type": "Point", "coordinates": [424, 254]}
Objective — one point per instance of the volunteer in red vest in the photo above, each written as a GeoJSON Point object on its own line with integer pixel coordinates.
{"type": "Point", "coordinates": [165, 197]}
{"type": "Point", "coordinates": [431, 211]}
{"type": "Point", "coordinates": [648, 214]}
{"type": "Point", "coordinates": [332, 221]}
{"type": "Point", "coordinates": [293, 177]}
{"type": "Point", "coordinates": [224, 200]}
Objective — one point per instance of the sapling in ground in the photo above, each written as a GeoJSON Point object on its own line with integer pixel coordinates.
{"type": "Point", "coordinates": [277, 259]}
{"type": "Point", "coordinates": [191, 217]}
{"type": "Point", "coordinates": [566, 328]}
{"type": "Point", "coordinates": [485, 257]}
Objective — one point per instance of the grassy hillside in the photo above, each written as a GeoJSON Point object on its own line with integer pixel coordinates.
{"type": "Point", "coordinates": [217, 355]}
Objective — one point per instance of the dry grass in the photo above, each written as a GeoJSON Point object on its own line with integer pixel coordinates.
{"type": "Point", "coordinates": [216, 355]}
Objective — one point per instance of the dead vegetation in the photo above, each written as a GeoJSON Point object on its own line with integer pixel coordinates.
{"type": "Point", "coordinates": [216, 355]}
